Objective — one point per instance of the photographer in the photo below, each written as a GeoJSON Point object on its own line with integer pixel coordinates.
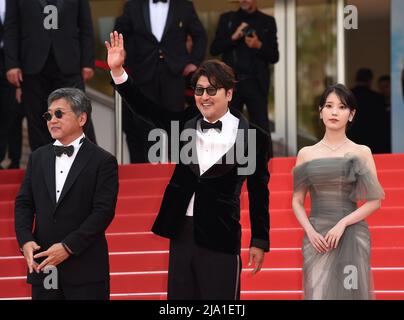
{"type": "Point", "coordinates": [247, 41]}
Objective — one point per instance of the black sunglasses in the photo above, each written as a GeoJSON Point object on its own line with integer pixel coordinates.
{"type": "Point", "coordinates": [58, 114]}
{"type": "Point", "coordinates": [211, 91]}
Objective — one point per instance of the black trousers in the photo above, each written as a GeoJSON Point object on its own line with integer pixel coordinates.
{"type": "Point", "coordinates": [7, 108]}
{"type": "Point", "coordinates": [167, 91]}
{"type": "Point", "coordinates": [36, 89]}
{"type": "Point", "coordinates": [198, 273]}
{"type": "Point", "coordinates": [15, 137]}
{"type": "Point", "coordinates": [89, 291]}
{"type": "Point", "coordinates": [249, 92]}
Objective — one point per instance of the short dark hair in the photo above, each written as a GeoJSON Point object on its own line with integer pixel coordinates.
{"type": "Point", "coordinates": [218, 73]}
{"type": "Point", "coordinates": [364, 75]}
{"type": "Point", "coordinates": [77, 100]}
{"type": "Point", "coordinates": [384, 78]}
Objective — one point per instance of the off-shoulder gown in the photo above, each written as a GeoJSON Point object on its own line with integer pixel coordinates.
{"type": "Point", "coordinates": [335, 185]}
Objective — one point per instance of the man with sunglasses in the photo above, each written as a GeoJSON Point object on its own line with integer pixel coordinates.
{"type": "Point", "coordinates": [200, 211]}
{"type": "Point", "coordinates": [70, 190]}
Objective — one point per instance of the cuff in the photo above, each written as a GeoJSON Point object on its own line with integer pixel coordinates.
{"type": "Point", "coordinates": [121, 79]}
{"type": "Point", "coordinates": [70, 252]}
{"type": "Point", "coordinates": [259, 243]}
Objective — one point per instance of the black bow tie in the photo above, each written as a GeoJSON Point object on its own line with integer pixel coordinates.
{"type": "Point", "coordinates": [207, 125]}
{"type": "Point", "coordinates": [59, 150]}
{"type": "Point", "coordinates": [156, 1]}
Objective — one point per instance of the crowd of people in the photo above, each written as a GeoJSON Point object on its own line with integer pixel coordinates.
{"type": "Point", "coordinates": [70, 186]}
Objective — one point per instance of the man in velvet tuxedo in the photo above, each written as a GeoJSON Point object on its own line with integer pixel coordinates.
{"type": "Point", "coordinates": [70, 190]}
{"type": "Point", "coordinates": [156, 35]}
{"type": "Point", "coordinates": [200, 211]}
{"type": "Point", "coordinates": [43, 54]}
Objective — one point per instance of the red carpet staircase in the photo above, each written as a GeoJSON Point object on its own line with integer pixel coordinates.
{"type": "Point", "coordinates": [139, 259]}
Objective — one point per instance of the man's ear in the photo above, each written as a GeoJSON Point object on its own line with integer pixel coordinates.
{"type": "Point", "coordinates": [83, 119]}
{"type": "Point", "coordinates": [229, 94]}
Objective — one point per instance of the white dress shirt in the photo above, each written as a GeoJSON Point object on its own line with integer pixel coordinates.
{"type": "Point", "coordinates": [2, 15]}
{"type": "Point", "coordinates": [63, 165]}
{"type": "Point", "coordinates": [158, 17]}
{"type": "Point", "coordinates": [211, 145]}
{"type": "Point", "coordinates": [2, 10]}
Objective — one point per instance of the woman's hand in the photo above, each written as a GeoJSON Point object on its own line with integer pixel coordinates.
{"type": "Point", "coordinates": [116, 53]}
{"type": "Point", "coordinates": [334, 235]}
{"type": "Point", "coordinates": [317, 241]}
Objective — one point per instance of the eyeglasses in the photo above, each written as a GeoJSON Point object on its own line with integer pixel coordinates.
{"type": "Point", "coordinates": [211, 91]}
{"type": "Point", "coordinates": [58, 114]}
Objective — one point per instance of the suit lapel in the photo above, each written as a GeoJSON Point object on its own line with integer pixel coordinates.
{"type": "Point", "coordinates": [170, 16]}
{"type": "Point", "coordinates": [43, 3]}
{"type": "Point", "coordinates": [191, 124]}
{"type": "Point", "coordinates": [146, 16]}
{"type": "Point", "coordinates": [49, 173]}
{"type": "Point", "coordinates": [82, 158]}
{"type": "Point", "coordinates": [60, 5]}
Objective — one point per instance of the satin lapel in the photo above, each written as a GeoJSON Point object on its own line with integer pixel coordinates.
{"type": "Point", "coordinates": [191, 124]}
{"type": "Point", "coordinates": [170, 16]}
{"type": "Point", "coordinates": [146, 16]}
{"type": "Point", "coordinates": [43, 3]}
{"type": "Point", "coordinates": [83, 156]}
{"type": "Point", "coordinates": [60, 5]}
{"type": "Point", "coordinates": [49, 173]}
{"type": "Point", "coordinates": [221, 166]}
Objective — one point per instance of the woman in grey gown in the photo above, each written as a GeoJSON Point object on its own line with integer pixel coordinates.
{"type": "Point", "coordinates": [337, 172]}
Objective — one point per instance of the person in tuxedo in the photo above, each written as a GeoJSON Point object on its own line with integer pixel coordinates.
{"type": "Point", "coordinates": [158, 59]}
{"type": "Point", "coordinates": [7, 93]}
{"type": "Point", "coordinates": [70, 189]}
{"type": "Point", "coordinates": [200, 210]}
{"type": "Point", "coordinates": [247, 41]}
{"type": "Point", "coordinates": [40, 58]}
{"type": "Point", "coordinates": [370, 124]}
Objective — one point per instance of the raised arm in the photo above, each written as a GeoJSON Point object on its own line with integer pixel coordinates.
{"type": "Point", "coordinates": [123, 83]}
{"type": "Point", "coordinates": [136, 100]}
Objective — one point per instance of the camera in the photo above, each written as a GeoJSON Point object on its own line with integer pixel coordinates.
{"type": "Point", "coordinates": [248, 31]}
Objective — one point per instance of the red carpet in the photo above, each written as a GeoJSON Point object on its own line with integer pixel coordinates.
{"type": "Point", "coordinates": [139, 259]}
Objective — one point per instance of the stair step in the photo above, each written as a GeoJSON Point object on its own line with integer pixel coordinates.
{"type": "Point", "coordinates": [278, 219]}
{"type": "Point", "coordinates": [280, 238]}
{"type": "Point", "coordinates": [158, 260]}
{"type": "Point", "coordinates": [266, 279]}
{"type": "Point", "coordinates": [156, 186]}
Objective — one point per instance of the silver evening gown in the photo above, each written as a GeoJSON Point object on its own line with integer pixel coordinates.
{"type": "Point", "coordinates": [335, 184]}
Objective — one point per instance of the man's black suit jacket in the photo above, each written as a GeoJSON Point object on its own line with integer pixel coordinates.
{"type": "Point", "coordinates": [143, 47]}
{"type": "Point", "coordinates": [28, 43]}
{"type": "Point", "coordinates": [217, 191]}
{"type": "Point", "coordinates": [1, 49]}
{"type": "Point", "coordinates": [265, 27]}
{"type": "Point", "coordinates": [85, 209]}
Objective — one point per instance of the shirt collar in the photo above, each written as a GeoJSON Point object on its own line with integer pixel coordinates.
{"type": "Point", "coordinates": [76, 143]}
{"type": "Point", "coordinates": [224, 118]}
